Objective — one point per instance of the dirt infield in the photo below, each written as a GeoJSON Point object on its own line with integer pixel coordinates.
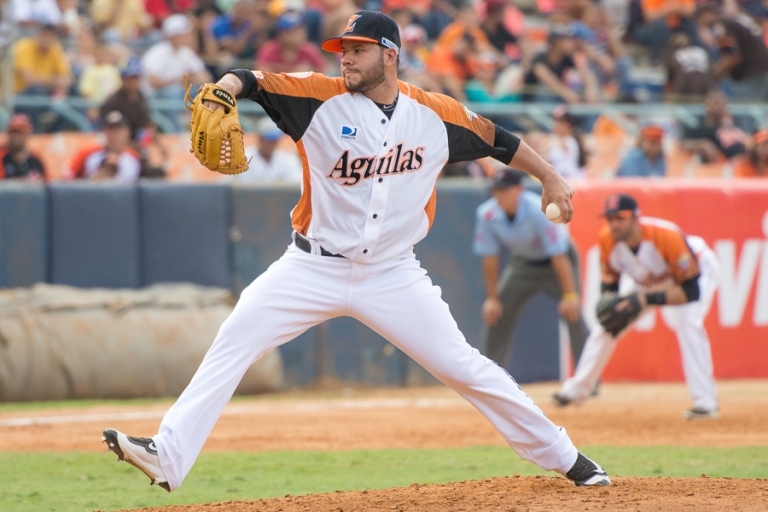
{"type": "Point", "coordinates": [522, 494]}
{"type": "Point", "coordinates": [623, 414]}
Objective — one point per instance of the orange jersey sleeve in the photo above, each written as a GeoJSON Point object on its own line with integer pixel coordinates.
{"type": "Point", "coordinates": [675, 251]}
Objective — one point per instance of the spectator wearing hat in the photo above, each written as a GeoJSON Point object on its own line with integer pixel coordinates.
{"type": "Point", "coordinates": [129, 100]}
{"type": "Point", "coordinates": [542, 258]}
{"type": "Point", "coordinates": [755, 165]}
{"type": "Point", "coordinates": [16, 160]}
{"type": "Point", "coordinates": [268, 163]}
{"type": "Point", "coordinates": [556, 76]}
{"type": "Point", "coordinates": [166, 63]}
{"type": "Point", "coordinates": [289, 51]}
{"type": "Point", "coordinates": [646, 160]}
{"type": "Point", "coordinates": [114, 160]}
{"type": "Point", "coordinates": [241, 32]}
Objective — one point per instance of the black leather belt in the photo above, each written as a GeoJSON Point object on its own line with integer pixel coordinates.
{"type": "Point", "coordinates": [303, 244]}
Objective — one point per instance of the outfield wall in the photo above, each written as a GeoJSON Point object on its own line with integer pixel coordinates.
{"type": "Point", "coordinates": [132, 236]}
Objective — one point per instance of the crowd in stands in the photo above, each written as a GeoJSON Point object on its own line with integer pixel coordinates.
{"type": "Point", "coordinates": [117, 54]}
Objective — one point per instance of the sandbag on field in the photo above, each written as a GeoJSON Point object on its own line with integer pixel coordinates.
{"type": "Point", "coordinates": [59, 342]}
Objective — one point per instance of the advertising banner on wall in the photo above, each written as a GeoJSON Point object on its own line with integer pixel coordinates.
{"type": "Point", "coordinates": [732, 217]}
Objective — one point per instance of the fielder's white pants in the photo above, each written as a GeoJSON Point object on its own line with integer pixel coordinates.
{"type": "Point", "coordinates": [398, 301]}
{"type": "Point", "coordinates": [687, 320]}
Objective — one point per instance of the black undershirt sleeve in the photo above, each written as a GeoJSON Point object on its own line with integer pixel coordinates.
{"type": "Point", "coordinates": [464, 144]}
{"type": "Point", "coordinates": [691, 288]}
{"type": "Point", "coordinates": [609, 287]}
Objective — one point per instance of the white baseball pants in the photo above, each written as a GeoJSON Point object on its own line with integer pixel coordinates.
{"type": "Point", "coordinates": [687, 320]}
{"type": "Point", "coordinates": [397, 300]}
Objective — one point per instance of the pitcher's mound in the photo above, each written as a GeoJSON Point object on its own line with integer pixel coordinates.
{"type": "Point", "coordinates": [523, 494]}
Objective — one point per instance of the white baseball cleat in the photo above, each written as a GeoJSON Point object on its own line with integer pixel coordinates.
{"type": "Point", "coordinates": [139, 452]}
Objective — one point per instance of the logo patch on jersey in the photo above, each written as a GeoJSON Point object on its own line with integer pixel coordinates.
{"type": "Point", "coordinates": [349, 132]}
{"type": "Point", "coordinates": [259, 75]}
{"type": "Point", "coordinates": [301, 74]}
{"type": "Point", "coordinates": [349, 171]}
{"type": "Point", "coordinates": [470, 115]}
{"type": "Point", "coordinates": [684, 261]}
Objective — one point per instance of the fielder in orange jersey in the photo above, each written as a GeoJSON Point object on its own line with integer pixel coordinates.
{"type": "Point", "coordinates": [372, 149]}
{"type": "Point", "coordinates": [667, 269]}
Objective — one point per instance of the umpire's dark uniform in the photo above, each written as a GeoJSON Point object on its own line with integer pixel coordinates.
{"type": "Point", "coordinates": [531, 240]}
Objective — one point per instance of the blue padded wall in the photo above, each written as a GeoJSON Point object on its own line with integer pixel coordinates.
{"type": "Point", "coordinates": [23, 234]}
{"type": "Point", "coordinates": [94, 235]}
{"type": "Point", "coordinates": [260, 232]}
{"type": "Point", "coordinates": [184, 234]}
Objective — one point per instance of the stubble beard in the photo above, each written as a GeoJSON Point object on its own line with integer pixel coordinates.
{"type": "Point", "coordinates": [368, 79]}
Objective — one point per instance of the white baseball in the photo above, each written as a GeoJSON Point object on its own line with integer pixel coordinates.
{"type": "Point", "coordinates": [553, 212]}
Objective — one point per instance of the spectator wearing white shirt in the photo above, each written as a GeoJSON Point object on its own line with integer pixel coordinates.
{"type": "Point", "coordinates": [566, 151]}
{"type": "Point", "coordinates": [268, 163]}
{"type": "Point", "coordinates": [30, 14]}
{"type": "Point", "coordinates": [114, 160]}
{"type": "Point", "coordinates": [166, 63]}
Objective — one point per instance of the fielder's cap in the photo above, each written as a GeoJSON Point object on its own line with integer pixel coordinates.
{"type": "Point", "coordinates": [176, 25]}
{"type": "Point", "coordinates": [368, 26]}
{"type": "Point", "coordinates": [653, 132]}
{"type": "Point", "coordinates": [115, 119]}
{"type": "Point", "coordinates": [19, 123]}
{"type": "Point", "coordinates": [759, 137]}
{"type": "Point", "coordinates": [268, 130]}
{"type": "Point", "coordinates": [507, 177]}
{"type": "Point", "coordinates": [132, 67]}
{"type": "Point", "coordinates": [621, 205]}
{"type": "Point", "coordinates": [287, 21]}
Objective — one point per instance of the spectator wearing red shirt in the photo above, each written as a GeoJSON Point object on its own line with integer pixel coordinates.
{"type": "Point", "coordinates": [289, 51]}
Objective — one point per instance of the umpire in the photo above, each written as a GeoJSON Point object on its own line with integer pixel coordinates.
{"type": "Point", "coordinates": [541, 259]}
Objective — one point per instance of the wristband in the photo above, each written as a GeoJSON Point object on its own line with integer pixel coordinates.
{"type": "Point", "coordinates": [570, 296]}
{"type": "Point", "coordinates": [656, 298]}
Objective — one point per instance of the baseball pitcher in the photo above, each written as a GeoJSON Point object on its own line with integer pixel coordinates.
{"type": "Point", "coordinates": [670, 270]}
{"type": "Point", "coordinates": [372, 148]}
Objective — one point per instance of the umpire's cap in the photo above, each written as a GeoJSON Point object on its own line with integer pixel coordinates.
{"type": "Point", "coordinates": [368, 26]}
{"type": "Point", "coordinates": [621, 205]}
{"type": "Point", "coordinates": [507, 177]}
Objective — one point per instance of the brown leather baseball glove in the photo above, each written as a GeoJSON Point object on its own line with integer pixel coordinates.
{"type": "Point", "coordinates": [217, 138]}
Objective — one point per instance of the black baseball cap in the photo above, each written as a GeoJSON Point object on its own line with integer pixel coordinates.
{"type": "Point", "coordinates": [621, 205]}
{"type": "Point", "coordinates": [368, 26]}
{"type": "Point", "coordinates": [507, 177]}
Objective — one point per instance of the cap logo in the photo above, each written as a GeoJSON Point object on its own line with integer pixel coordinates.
{"type": "Point", "coordinates": [351, 23]}
{"type": "Point", "coordinates": [612, 203]}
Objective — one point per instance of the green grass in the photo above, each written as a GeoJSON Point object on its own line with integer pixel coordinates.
{"type": "Point", "coordinates": [88, 481]}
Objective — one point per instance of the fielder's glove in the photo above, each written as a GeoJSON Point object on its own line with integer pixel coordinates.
{"type": "Point", "coordinates": [615, 312]}
{"type": "Point", "coordinates": [217, 138]}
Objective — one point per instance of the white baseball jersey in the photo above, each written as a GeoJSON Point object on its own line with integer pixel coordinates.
{"type": "Point", "coordinates": [369, 182]}
{"type": "Point", "coordinates": [663, 258]}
